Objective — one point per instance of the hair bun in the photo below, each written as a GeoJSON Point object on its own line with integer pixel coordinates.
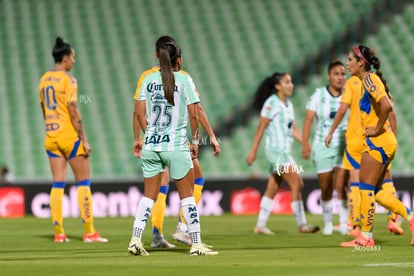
{"type": "Point", "coordinates": [59, 41]}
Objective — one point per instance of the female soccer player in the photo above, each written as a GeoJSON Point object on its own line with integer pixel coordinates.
{"type": "Point", "coordinates": [167, 99]}
{"type": "Point", "coordinates": [277, 122]}
{"type": "Point", "coordinates": [380, 144]}
{"type": "Point", "coordinates": [181, 232]}
{"type": "Point", "coordinates": [323, 105]}
{"type": "Point", "coordinates": [65, 141]}
{"type": "Point", "coordinates": [353, 152]}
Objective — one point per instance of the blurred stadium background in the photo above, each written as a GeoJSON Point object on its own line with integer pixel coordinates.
{"type": "Point", "coordinates": [229, 46]}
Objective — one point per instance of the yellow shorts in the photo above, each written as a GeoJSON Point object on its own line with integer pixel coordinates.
{"type": "Point", "coordinates": [66, 147]}
{"type": "Point", "coordinates": [382, 148]}
{"type": "Point", "coordinates": [352, 156]}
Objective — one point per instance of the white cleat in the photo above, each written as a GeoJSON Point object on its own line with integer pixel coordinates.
{"type": "Point", "coordinates": [136, 248]}
{"type": "Point", "coordinates": [343, 229]}
{"type": "Point", "coordinates": [158, 241]}
{"type": "Point", "coordinates": [198, 249]}
{"type": "Point", "coordinates": [327, 229]}
{"type": "Point", "coordinates": [182, 237]}
{"type": "Point", "coordinates": [263, 230]}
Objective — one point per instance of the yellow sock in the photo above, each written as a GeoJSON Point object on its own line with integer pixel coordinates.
{"type": "Point", "coordinates": [388, 185]}
{"type": "Point", "coordinates": [367, 193]}
{"type": "Point", "coordinates": [349, 213]}
{"type": "Point", "coordinates": [85, 205]}
{"type": "Point", "coordinates": [391, 202]}
{"type": "Point", "coordinates": [158, 210]}
{"type": "Point", "coordinates": [355, 204]}
{"type": "Point", "coordinates": [56, 199]}
{"type": "Point", "coordinates": [198, 189]}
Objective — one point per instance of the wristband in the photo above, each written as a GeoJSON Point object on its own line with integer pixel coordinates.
{"type": "Point", "coordinates": [195, 141]}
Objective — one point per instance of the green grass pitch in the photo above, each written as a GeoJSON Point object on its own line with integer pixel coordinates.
{"type": "Point", "coordinates": [26, 248]}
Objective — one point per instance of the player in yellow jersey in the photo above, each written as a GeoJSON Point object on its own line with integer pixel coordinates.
{"type": "Point", "coordinates": [379, 144]}
{"type": "Point", "coordinates": [65, 141]}
{"type": "Point", "coordinates": [181, 232]}
{"type": "Point", "coordinates": [353, 152]}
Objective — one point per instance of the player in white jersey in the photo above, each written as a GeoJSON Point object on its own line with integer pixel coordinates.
{"type": "Point", "coordinates": [158, 211]}
{"type": "Point", "coordinates": [277, 123]}
{"type": "Point", "coordinates": [323, 105]}
{"type": "Point", "coordinates": [167, 100]}
{"type": "Point", "coordinates": [167, 124]}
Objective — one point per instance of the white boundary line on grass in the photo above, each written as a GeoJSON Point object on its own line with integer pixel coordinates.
{"type": "Point", "coordinates": [390, 264]}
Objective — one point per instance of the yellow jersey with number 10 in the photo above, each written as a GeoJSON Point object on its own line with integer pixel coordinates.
{"type": "Point", "coordinates": [56, 89]}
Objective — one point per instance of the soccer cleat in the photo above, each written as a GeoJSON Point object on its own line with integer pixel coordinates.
{"type": "Point", "coordinates": [136, 248]}
{"type": "Point", "coordinates": [355, 232]}
{"type": "Point", "coordinates": [307, 228]}
{"type": "Point", "coordinates": [93, 237]}
{"type": "Point", "coordinates": [182, 237]}
{"type": "Point", "coordinates": [201, 249]}
{"type": "Point", "coordinates": [359, 241]}
{"type": "Point", "coordinates": [158, 241]}
{"type": "Point", "coordinates": [411, 224]}
{"type": "Point", "coordinates": [207, 245]}
{"type": "Point", "coordinates": [263, 230]}
{"type": "Point", "coordinates": [327, 229]}
{"type": "Point", "coordinates": [393, 227]}
{"type": "Point", "coordinates": [398, 219]}
{"type": "Point", "coordinates": [342, 229]}
{"type": "Point", "coordinates": [60, 238]}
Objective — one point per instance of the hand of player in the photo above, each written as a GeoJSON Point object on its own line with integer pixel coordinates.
{"type": "Point", "coordinates": [328, 139]}
{"type": "Point", "coordinates": [194, 151]}
{"type": "Point", "coordinates": [137, 148]}
{"type": "Point", "coordinates": [373, 131]}
{"type": "Point", "coordinates": [306, 150]}
{"type": "Point", "coordinates": [216, 146]}
{"type": "Point", "coordinates": [251, 157]}
{"type": "Point", "coordinates": [87, 148]}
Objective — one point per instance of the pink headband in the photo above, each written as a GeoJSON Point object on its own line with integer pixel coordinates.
{"type": "Point", "coordinates": [359, 54]}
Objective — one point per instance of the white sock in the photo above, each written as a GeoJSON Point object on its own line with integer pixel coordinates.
{"type": "Point", "coordinates": [327, 211]}
{"type": "Point", "coordinates": [343, 212]}
{"type": "Point", "coordinates": [328, 225]}
{"type": "Point", "coordinates": [142, 214]}
{"type": "Point", "coordinates": [266, 205]}
{"type": "Point", "coordinates": [299, 211]}
{"type": "Point", "coordinates": [192, 218]}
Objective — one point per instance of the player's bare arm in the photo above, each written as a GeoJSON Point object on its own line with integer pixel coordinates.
{"type": "Point", "coordinates": [193, 118]}
{"type": "Point", "coordinates": [207, 127]}
{"type": "Point", "coordinates": [77, 124]}
{"type": "Point", "coordinates": [139, 122]}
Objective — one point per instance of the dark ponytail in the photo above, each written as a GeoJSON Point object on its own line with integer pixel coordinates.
{"type": "Point", "coordinates": [376, 63]}
{"type": "Point", "coordinates": [370, 55]}
{"type": "Point", "coordinates": [61, 49]}
{"type": "Point", "coordinates": [266, 89]}
{"type": "Point", "coordinates": [163, 40]}
{"type": "Point", "coordinates": [168, 55]}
